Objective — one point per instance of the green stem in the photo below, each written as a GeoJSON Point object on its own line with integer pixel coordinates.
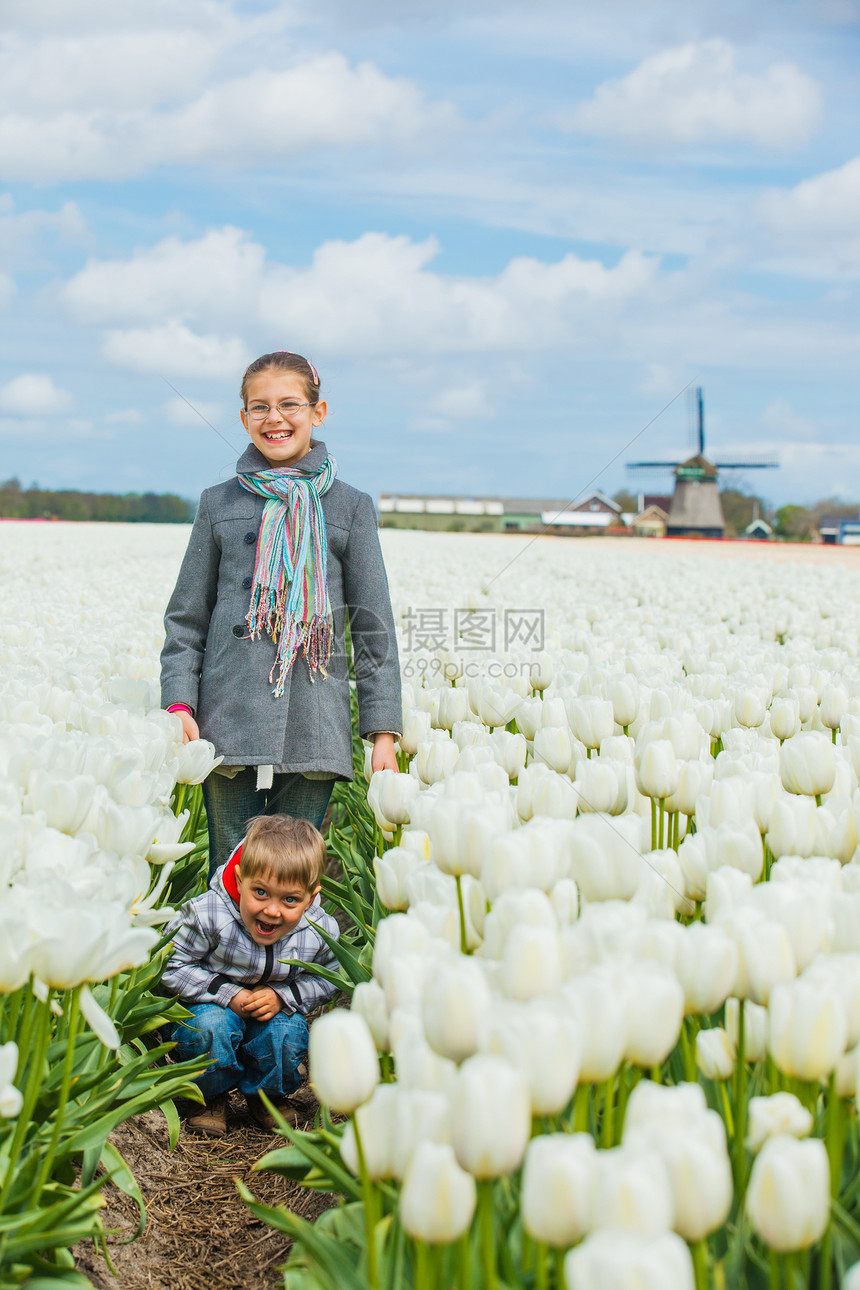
{"type": "Point", "coordinates": [580, 1108]}
{"type": "Point", "coordinates": [608, 1121]}
{"type": "Point", "coordinates": [36, 1064]}
{"type": "Point", "coordinates": [688, 1051]}
{"type": "Point", "coordinates": [485, 1216]}
{"type": "Point", "coordinates": [558, 1259]}
{"type": "Point", "coordinates": [699, 1251]}
{"type": "Point", "coordinates": [464, 945]}
{"type": "Point", "coordinates": [740, 1107]}
{"type": "Point", "coordinates": [424, 1279]}
{"type": "Point", "coordinates": [727, 1110]}
{"type": "Point", "coordinates": [628, 1078]}
{"type": "Point", "coordinates": [464, 1261]}
{"type": "Point", "coordinates": [773, 1269]}
{"type": "Point", "coordinates": [74, 1010]}
{"type": "Point", "coordinates": [541, 1266]}
{"type": "Point", "coordinates": [31, 1012]}
{"type": "Point", "coordinates": [825, 1267]}
{"type": "Point", "coordinates": [835, 1131]}
{"type": "Point", "coordinates": [369, 1204]}
{"type": "Point", "coordinates": [653, 824]}
{"type": "Point", "coordinates": [661, 836]}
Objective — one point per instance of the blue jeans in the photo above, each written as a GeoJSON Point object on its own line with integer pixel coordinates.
{"type": "Point", "coordinates": [231, 803]}
{"type": "Point", "coordinates": [252, 1056]}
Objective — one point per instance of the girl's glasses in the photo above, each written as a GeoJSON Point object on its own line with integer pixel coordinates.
{"type": "Point", "coordinates": [287, 408]}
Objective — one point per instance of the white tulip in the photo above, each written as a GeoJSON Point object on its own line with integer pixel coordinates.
{"type": "Point", "coordinates": [391, 871]}
{"type": "Point", "coordinates": [11, 1099]}
{"type": "Point", "coordinates": [438, 1198]}
{"type": "Point", "coordinates": [368, 1000]}
{"type": "Point", "coordinates": [807, 764]}
{"type": "Point", "coordinates": [454, 1007]}
{"type": "Point", "coordinates": [416, 728]}
{"type": "Point", "coordinates": [706, 966]}
{"type": "Point", "coordinates": [715, 1054]}
{"type": "Point", "coordinates": [591, 719]}
{"type": "Point", "coordinates": [807, 1030]}
{"type": "Point", "coordinates": [558, 1182]}
{"type": "Point", "coordinates": [788, 1198]}
{"type": "Point", "coordinates": [195, 761]}
{"type": "Point", "coordinates": [779, 1113]}
{"type": "Point", "coordinates": [621, 1260]}
{"type": "Point", "coordinates": [657, 773]}
{"type": "Point", "coordinates": [552, 745]}
{"type": "Point", "coordinates": [632, 1192]}
{"type": "Point", "coordinates": [490, 1117]}
{"type": "Point", "coordinates": [344, 1067]}
{"type": "Point", "coordinates": [755, 1029]}
{"type": "Point", "coordinates": [531, 964]}
{"type": "Point", "coordinates": [435, 759]}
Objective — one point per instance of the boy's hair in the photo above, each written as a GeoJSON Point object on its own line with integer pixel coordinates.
{"type": "Point", "coordinates": [285, 361]}
{"type": "Point", "coordinates": [291, 850]}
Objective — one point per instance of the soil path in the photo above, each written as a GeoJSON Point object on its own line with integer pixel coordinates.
{"type": "Point", "coordinates": [199, 1235]}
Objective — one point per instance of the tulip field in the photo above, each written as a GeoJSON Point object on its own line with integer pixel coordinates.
{"type": "Point", "coordinates": [602, 931]}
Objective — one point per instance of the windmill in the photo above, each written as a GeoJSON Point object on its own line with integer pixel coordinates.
{"type": "Point", "coordinates": [696, 509]}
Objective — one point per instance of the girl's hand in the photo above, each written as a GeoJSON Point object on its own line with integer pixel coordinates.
{"type": "Point", "coordinates": [190, 728]}
{"type": "Point", "coordinates": [383, 756]}
{"type": "Point", "coordinates": [262, 1004]}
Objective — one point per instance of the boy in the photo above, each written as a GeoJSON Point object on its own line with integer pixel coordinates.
{"type": "Point", "coordinates": [226, 967]}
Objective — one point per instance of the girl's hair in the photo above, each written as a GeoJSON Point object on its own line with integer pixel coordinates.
{"type": "Point", "coordinates": [285, 361]}
{"type": "Point", "coordinates": [289, 849]}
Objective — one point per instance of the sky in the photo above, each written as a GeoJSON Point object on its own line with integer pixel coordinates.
{"type": "Point", "coordinates": [512, 237]}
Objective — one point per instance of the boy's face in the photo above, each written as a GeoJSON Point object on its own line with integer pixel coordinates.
{"type": "Point", "coordinates": [270, 909]}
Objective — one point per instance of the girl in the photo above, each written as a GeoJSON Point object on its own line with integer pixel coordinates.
{"type": "Point", "coordinates": [254, 657]}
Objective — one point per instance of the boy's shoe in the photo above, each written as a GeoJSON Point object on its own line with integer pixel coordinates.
{"type": "Point", "coordinates": [211, 1119]}
{"type": "Point", "coordinates": [262, 1116]}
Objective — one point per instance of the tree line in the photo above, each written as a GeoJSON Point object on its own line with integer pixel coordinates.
{"type": "Point", "coordinates": [70, 504]}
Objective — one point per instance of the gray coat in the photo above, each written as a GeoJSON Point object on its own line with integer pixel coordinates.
{"type": "Point", "coordinates": [210, 663]}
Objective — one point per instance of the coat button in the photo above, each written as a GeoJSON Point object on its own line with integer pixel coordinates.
{"type": "Point", "coordinates": [247, 583]}
{"type": "Point", "coordinates": [239, 629]}
{"type": "Point", "coordinates": [250, 537]}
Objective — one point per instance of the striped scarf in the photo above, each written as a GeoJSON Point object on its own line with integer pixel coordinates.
{"type": "Point", "coordinates": [289, 596]}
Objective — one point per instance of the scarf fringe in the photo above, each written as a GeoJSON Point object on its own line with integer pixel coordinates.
{"type": "Point", "coordinates": [289, 599]}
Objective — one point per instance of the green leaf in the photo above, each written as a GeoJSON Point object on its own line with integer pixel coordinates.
{"type": "Point", "coordinates": [174, 1125]}
{"type": "Point", "coordinates": [333, 1262]}
{"type": "Point", "coordinates": [122, 1177]}
{"type": "Point", "coordinates": [329, 1168]}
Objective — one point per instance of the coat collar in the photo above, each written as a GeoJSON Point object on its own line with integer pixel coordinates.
{"type": "Point", "coordinates": [253, 460]}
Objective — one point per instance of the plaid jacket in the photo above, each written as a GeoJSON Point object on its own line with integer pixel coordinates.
{"type": "Point", "coordinates": [214, 957]}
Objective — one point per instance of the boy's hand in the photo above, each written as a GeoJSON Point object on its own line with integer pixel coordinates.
{"type": "Point", "coordinates": [239, 1003]}
{"type": "Point", "coordinates": [262, 1004]}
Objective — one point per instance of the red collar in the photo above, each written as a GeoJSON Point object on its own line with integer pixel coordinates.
{"type": "Point", "coordinates": [228, 877]}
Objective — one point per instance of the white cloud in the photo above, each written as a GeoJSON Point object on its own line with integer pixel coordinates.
{"type": "Point", "coordinates": [33, 394]}
{"type": "Point", "coordinates": [111, 103]}
{"type": "Point", "coordinates": [695, 93]}
{"type": "Point", "coordinates": [817, 223]}
{"type": "Point", "coordinates": [376, 295]}
{"type": "Point", "coordinates": [182, 279]}
{"type": "Point", "coordinates": [780, 416]}
{"type": "Point", "coordinates": [462, 402]}
{"type": "Point", "coordinates": [173, 350]}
